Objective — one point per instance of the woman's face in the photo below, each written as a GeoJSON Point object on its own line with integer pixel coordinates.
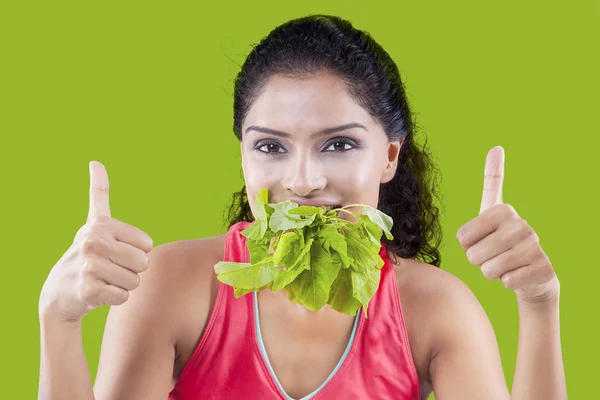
{"type": "Point", "coordinates": [294, 143]}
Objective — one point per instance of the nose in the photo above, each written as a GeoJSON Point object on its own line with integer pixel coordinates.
{"type": "Point", "coordinates": [303, 175]}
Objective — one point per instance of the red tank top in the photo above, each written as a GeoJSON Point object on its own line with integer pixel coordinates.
{"type": "Point", "coordinates": [230, 362]}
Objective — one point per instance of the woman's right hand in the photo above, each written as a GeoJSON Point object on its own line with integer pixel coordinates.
{"type": "Point", "coordinates": [101, 266]}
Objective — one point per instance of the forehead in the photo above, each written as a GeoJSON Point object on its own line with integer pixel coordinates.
{"type": "Point", "coordinates": [305, 103]}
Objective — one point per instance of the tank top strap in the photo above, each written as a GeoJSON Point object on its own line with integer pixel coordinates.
{"type": "Point", "coordinates": [386, 320]}
{"type": "Point", "coordinates": [397, 316]}
{"type": "Point", "coordinates": [235, 243]}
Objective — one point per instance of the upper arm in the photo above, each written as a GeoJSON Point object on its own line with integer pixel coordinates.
{"type": "Point", "coordinates": [466, 363]}
{"type": "Point", "coordinates": [138, 345]}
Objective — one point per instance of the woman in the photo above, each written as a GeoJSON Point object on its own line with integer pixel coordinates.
{"type": "Point", "coordinates": [322, 119]}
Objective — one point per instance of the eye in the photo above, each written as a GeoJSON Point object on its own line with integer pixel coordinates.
{"type": "Point", "coordinates": [340, 145]}
{"type": "Point", "coordinates": [269, 147]}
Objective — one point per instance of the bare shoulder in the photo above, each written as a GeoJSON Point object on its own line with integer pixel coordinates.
{"type": "Point", "coordinates": [431, 287]}
{"type": "Point", "coordinates": [445, 321]}
{"type": "Point", "coordinates": [422, 288]}
{"type": "Point", "coordinates": [186, 263]}
{"type": "Point", "coordinates": [184, 275]}
{"type": "Point", "coordinates": [195, 286]}
{"type": "Point", "coordinates": [150, 335]}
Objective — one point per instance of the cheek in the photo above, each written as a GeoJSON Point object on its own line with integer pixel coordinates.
{"type": "Point", "coordinates": [257, 175]}
{"type": "Point", "coordinates": [359, 179]}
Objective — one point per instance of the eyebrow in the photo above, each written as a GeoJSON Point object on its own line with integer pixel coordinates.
{"type": "Point", "coordinates": [322, 132]}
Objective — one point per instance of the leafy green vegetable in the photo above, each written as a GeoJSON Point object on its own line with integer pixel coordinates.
{"type": "Point", "coordinates": [341, 296]}
{"type": "Point", "coordinates": [313, 285]}
{"type": "Point", "coordinates": [247, 275]}
{"type": "Point", "coordinates": [293, 268]}
{"type": "Point", "coordinates": [312, 253]}
{"type": "Point", "coordinates": [257, 231]}
{"type": "Point", "coordinates": [282, 220]}
{"type": "Point", "coordinates": [332, 240]}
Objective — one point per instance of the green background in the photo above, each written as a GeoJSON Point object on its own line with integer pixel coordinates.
{"type": "Point", "coordinates": [146, 88]}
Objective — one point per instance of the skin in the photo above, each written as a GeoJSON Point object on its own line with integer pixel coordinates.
{"type": "Point", "coordinates": [452, 341]}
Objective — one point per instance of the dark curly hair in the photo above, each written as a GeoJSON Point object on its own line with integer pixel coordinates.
{"type": "Point", "coordinates": [325, 43]}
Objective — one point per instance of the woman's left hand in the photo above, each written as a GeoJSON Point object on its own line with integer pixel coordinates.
{"type": "Point", "coordinates": [502, 243]}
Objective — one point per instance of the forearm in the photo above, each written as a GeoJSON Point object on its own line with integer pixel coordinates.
{"type": "Point", "coordinates": [64, 372]}
{"type": "Point", "coordinates": [539, 371]}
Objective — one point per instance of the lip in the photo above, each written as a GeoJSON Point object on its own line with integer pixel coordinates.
{"type": "Point", "coordinates": [315, 203]}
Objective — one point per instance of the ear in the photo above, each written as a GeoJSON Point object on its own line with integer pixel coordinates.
{"type": "Point", "coordinates": [392, 161]}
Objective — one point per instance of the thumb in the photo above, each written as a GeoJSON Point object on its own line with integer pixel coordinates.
{"type": "Point", "coordinates": [493, 178]}
{"type": "Point", "coordinates": [99, 204]}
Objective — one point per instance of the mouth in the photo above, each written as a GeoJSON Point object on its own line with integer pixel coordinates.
{"type": "Point", "coordinates": [327, 205]}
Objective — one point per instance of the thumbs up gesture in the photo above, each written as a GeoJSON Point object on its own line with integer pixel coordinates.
{"type": "Point", "coordinates": [502, 243]}
{"type": "Point", "coordinates": [103, 263]}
